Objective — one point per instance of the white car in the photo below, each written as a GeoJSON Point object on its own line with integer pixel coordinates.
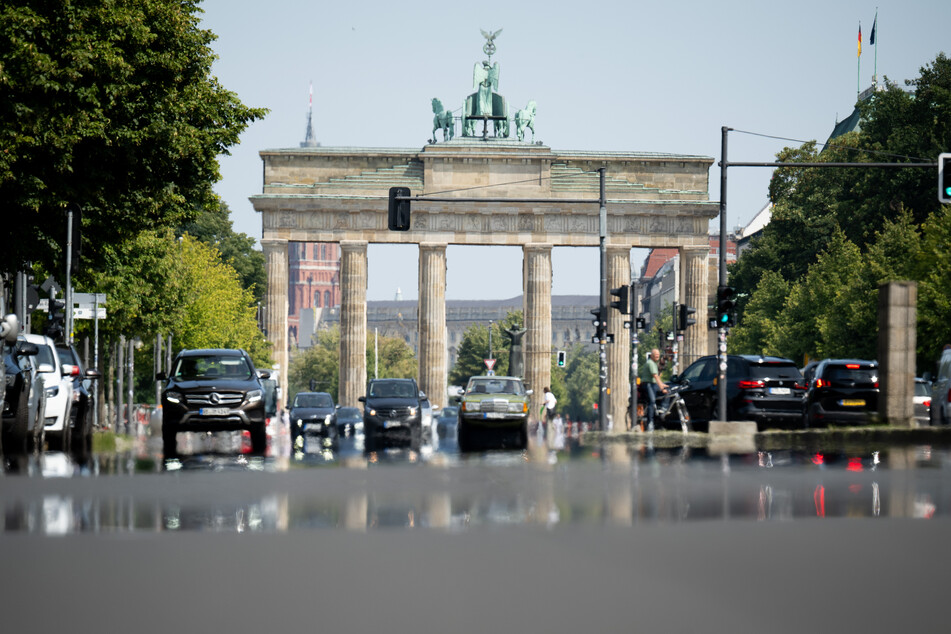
{"type": "Point", "coordinates": [58, 389]}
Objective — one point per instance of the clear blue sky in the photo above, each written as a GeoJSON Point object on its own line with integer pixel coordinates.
{"type": "Point", "coordinates": [613, 75]}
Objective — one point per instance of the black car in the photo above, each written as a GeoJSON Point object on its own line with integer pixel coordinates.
{"type": "Point", "coordinates": [842, 391]}
{"type": "Point", "coordinates": [767, 390]}
{"type": "Point", "coordinates": [392, 411]}
{"type": "Point", "coordinates": [213, 390]}
{"type": "Point", "coordinates": [23, 401]}
{"type": "Point", "coordinates": [349, 421]}
{"type": "Point", "coordinates": [81, 414]}
{"type": "Point", "coordinates": [313, 413]}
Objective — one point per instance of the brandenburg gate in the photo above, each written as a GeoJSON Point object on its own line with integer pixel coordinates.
{"type": "Point", "coordinates": [322, 194]}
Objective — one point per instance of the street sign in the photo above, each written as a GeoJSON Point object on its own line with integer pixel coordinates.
{"type": "Point", "coordinates": [87, 313]}
{"type": "Point", "coordinates": [489, 364]}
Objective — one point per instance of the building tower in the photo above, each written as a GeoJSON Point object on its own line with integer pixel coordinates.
{"type": "Point", "coordinates": [309, 139]}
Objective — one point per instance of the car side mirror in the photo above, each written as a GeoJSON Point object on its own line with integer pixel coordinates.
{"type": "Point", "coordinates": [264, 374]}
{"type": "Point", "coordinates": [93, 373]}
{"type": "Point", "coordinates": [422, 395]}
{"type": "Point", "coordinates": [675, 378]}
{"type": "Point", "coordinates": [529, 392]}
{"type": "Point", "coordinates": [28, 350]}
{"type": "Point", "coordinates": [362, 399]}
{"type": "Point", "coordinates": [159, 376]}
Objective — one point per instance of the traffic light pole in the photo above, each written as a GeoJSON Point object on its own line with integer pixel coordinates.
{"type": "Point", "coordinates": [68, 335]}
{"type": "Point", "coordinates": [721, 330]}
{"type": "Point", "coordinates": [602, 328]}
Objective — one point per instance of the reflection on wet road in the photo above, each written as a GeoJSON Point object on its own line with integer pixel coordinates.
{"type": "Point", "coordinates": [215, 487]}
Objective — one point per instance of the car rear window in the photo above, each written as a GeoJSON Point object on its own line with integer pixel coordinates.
{"type": "Point", "coordinates": [861, 375]}
{"type": "Point", "coordinates": [922, 389]}
{"type": "Point", "coordinates": [774, 371]}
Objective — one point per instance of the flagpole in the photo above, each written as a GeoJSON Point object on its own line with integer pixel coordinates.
{"type": "Point", "coordinates": [874, 42]}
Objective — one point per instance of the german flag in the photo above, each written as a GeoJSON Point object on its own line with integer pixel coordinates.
{"type": "Point", "coordinates": [860, 41]}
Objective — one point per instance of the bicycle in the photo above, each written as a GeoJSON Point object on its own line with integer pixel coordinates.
{"type": "Point", "coordinates": [666, 405]}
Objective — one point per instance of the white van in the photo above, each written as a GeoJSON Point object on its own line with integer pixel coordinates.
{"type": "Point", "coordinates": [941, 389]}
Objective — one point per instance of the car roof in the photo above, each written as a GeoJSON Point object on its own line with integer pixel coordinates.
{"type": "Point", "coordinates": [844, 361]}
{"type": "Point", "coordinates": [495, 377]}
{"type": "Point", "coordinates": [381, 380]}
{"type": "Point", "coordinates": [35, 338]}
{"type": "Point", "coordinates": [206, 351]}
{"type": "Point", "coordinates": [759, 358]}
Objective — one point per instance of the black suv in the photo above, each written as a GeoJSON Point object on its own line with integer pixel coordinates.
{"type": "Point", "coordinates": [213, 390]}
{"type": "Point", "coordinates": [767, 390]}
{"type": "Point", "coordinates": [841, 391]}
{"type": "Point", "coordinates": [392, 410]}
{"type": "Point", "coordinates": [313, 413]}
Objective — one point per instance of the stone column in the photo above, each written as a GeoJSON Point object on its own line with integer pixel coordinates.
{"type": "Point", "coordinates": [275, 255]}
{"type": "Point", "coordinates": [536, 268]}
{"type": "Point", "coordinates": [619, 352]}
{"type": "Point", "coordinates": [433, 369]}
{"type": "Point", "coordinates": [353, 322]}
{"type": "Point", "coordinates": [897, 341]}
{"type": "Point", "coordinates": [695, 267]}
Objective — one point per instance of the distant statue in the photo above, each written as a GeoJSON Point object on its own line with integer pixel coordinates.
{"type": "Point", "coordinates": [516, 357]}
{"type": "Point", "coordinates": [486, 101]}
{"type": "Point", "coordinates": [525, 119]}
{"type": "Point", "coordinates": [443, 119]}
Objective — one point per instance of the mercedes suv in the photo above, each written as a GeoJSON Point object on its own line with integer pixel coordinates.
{"type": "Point", "coordinates": [392, 410]}
{"type": "Point", "coordinates": [843, 391]}
{"type": "Point", "coordinates": [213, 390]}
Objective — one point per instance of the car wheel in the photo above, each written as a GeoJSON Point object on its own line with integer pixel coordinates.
{"type": "Point", "coordinates": [169, 430]}
{"type": "Point", "coordinates": [259, 438]}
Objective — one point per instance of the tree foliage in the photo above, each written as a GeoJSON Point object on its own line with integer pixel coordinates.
{"type": "Point", "coordinates": [474, 349]}
{"type": "Point", "coordinates": [321, 363]}
{"type": "Point", "coordinates": [110, 106]}
{"type": "Point", "coordinates": [214, 227]}
{"type": "Point", "coordinates": [811, 279]}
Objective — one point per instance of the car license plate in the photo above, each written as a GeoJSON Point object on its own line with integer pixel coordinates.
{"type": "Point", "coordinates": [214, 411]}
{"type": "Point", "coordinates": [854, 402]}
{"type": "Point", "coordinates": [313, 427]}
{"type": "Point", "coordinates": [494, 415]}
{"type": "Point", "coordinates": [389, 424]}
{"type": "Point", "coordinates": [780, 390]}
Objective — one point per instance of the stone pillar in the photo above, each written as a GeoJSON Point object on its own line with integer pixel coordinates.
{"type": "Point", "coordinates": [536, 268]}
{"type": "Point", "coordinates": [619, 352]}
{"type": "Point", "coordinates": [897, 340]}
{"type": "Point", "coordinates": [275, 255]}
{"type": "Point", "coordinates": [433, 369]}
{"type": "Point", "coordinates": [353, 322]}
{"type": "Point", "coordinates": [695, 268]}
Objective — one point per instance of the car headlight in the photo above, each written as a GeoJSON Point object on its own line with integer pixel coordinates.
{"type": "Point", "coordinates": [471, 406]}
{"type": "Point", "coordinates": [173, 397]}
{"type": "Point", "coordinates": [253, 396]}
{"type": "Point", "coordinates": [518, 407]}
{"type": "Point", "coordinates": [299, 422]}
{"type": "Point", "coordinates": [412, 411]}
{"type": "Point", "coordinates": [52, 392]}
{"type": "Point", "coordinates": [327, 419]}
{"type": "Point", "coordinates": [372, 412]}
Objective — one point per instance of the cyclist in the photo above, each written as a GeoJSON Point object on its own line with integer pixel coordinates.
{"type": "Point", "coordinates": [654, 385]}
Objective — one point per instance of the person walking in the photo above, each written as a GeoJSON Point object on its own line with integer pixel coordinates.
{"type": "Point", "coordinates": [550, 402]}
{"type": "Point", "coordinates": [654, 385]}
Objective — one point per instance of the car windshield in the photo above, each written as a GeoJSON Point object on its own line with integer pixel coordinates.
{"type": "Point", "coordinates": [212, 366]}
{"type": "Point", "coordinates": [313, 400]}
{"type": "Point", "coordinates": [348, 413]}
{"type": "Point", "coordinates": [495, 386]}
{"type": "Point", "coordinates": [775, 371]}
{"type": "Point", "coordinates": [392, 389]}
{"type": "Point", "coordinates": [858, 375]}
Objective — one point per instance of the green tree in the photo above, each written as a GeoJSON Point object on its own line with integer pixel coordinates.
{"type": "Point", "coordinates": [474, 349]}
{"type": "Point", "coordinates": [321, 362]}
{"type": "Point", "coordinates": [755, 333]}
{"type": "Point", "coordinates": [214, 227]}
{"type": "Point", "coordinates": [110, 106]}
{"type": "Point", "coordinates": [581, 383]}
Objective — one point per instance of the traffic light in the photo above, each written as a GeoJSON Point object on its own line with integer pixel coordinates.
{"type": "Point", "coordinates": [55, 324]}
{"type": "Point", "coordinates": [641, 323]}
{"type": "Point", "coordinates": [684, 319]}
{"type": "Point", "coordinates": [623, 302]}
{"type": "Point", "coordinates": [398, 209]}
{"type": "Point", "coordinates": [561, 358]}
{"type": "Point", "coordinates": [944, 178]}
{"type": "Point", "coordinates": [726, 307]}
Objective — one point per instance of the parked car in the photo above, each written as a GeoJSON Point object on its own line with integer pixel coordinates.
{"type": "Point", "coordinates": [767, 390]}
{"type": "Point", "coordinates": [842, 391]}
{"type": "Point", "coordinates": [446, 421]}
{"type": "Point", "coordinates": [349, 421]}
{"type": "Point", "coordinates": [941, 390]}
{"type": "Point", "coordinates": [81, 413]}
{"type": "Point", "coordinates": [213, 390]}
{"type": "Point", "coordinates": [313, 414]}
{"type": "Point", "coordinates": [58, 389]}
{"type": "Point", "coordinates": [922, 400]}
{"type": "Point", "coordinates": [24, 397]}
{"type": "Point", "coordinates": [392, 411]}
{"type": "Point", "coordinates": [496, 408]}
